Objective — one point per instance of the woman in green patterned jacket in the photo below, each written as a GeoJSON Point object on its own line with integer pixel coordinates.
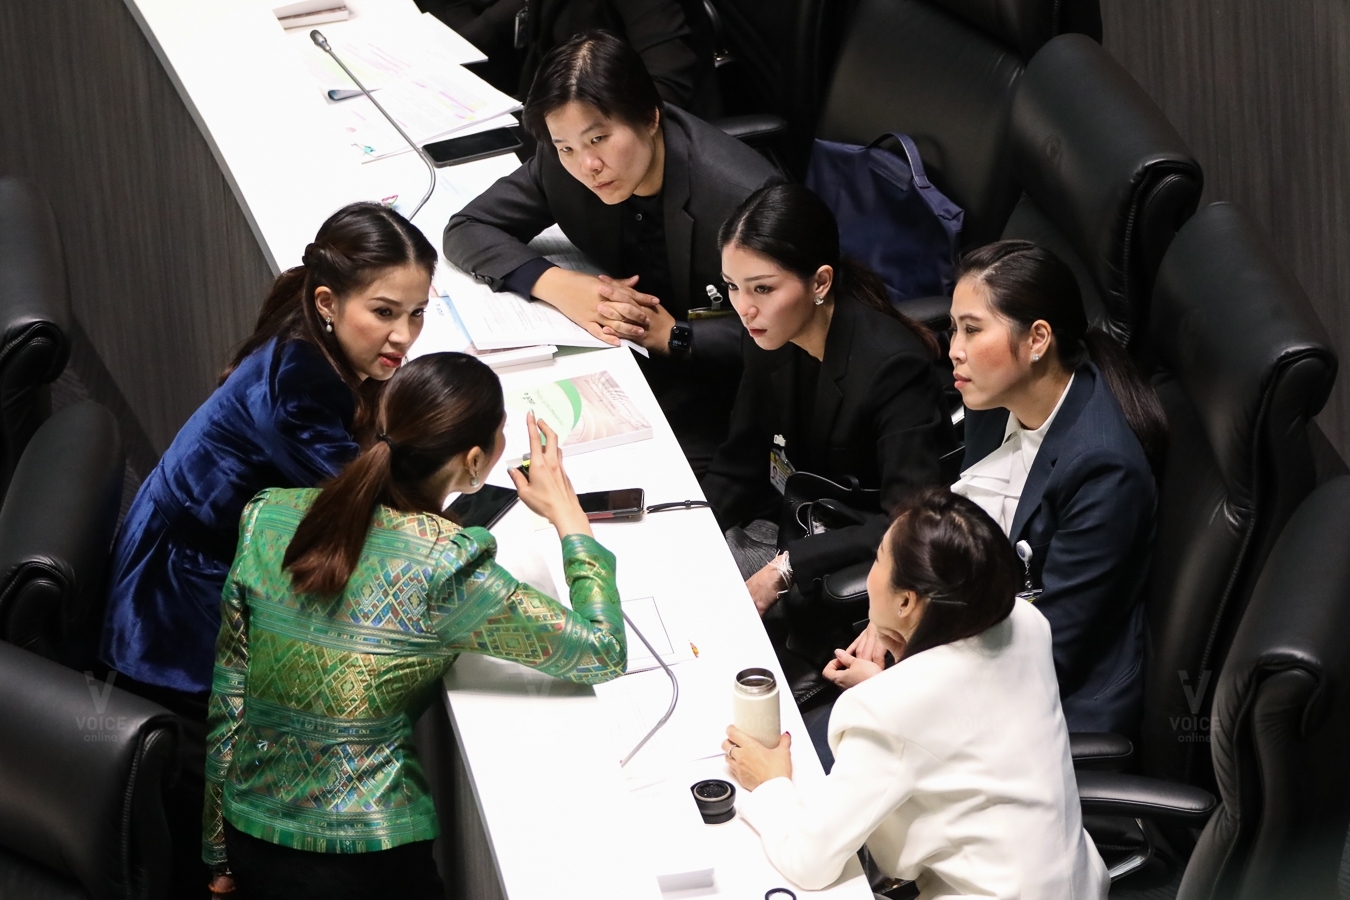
{"type": "Point", "coordinates": [343, 609]}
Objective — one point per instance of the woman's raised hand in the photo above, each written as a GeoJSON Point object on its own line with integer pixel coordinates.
{"type": "Point", "coordinates": [547, 490]}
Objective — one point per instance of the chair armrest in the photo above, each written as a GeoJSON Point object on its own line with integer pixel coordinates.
{"type": "Point", "coordinates": [1100, 750]}
{"type": "Point", "coordinates": [1136, 796]}
{"type": "Point", "coordinates": [846, 585]}
{"type": "Point", "coordinates": [35, 315]}
{"type": "Point", "coordinates": [754, 129]}
{"type": "Point", "coordinates": [84, 765]}
{"type": "Point", "coordinates": [56, 528]}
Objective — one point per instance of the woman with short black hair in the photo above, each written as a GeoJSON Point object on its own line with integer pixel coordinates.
{"type": "Point", "coordinates": [952, 766]}
{"type": "Point", "coordinates": [641, 188]}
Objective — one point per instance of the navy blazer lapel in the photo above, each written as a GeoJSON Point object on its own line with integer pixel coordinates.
{"type": "Point", "coordinates": [679, 224]}
{"type": "Point", "coordinates": [1065, 419]}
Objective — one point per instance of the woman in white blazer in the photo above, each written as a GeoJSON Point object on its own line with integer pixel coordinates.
{"type": "Point", "coordinates": [953, 765]}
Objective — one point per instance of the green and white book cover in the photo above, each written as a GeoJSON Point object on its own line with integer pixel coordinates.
{"type": "Point", "coordinates": [590, 412]}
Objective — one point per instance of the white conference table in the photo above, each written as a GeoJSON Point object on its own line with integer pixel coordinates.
{"type": "Point", "coordinates": [542, 756]}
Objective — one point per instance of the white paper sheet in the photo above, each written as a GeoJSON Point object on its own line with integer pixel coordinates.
{"type": "Point", "coordinates": [413, 65]}
{"type": "Point", "coordinates": [496, 321]}
{"type": "Point", "coordinates": [646, 616]}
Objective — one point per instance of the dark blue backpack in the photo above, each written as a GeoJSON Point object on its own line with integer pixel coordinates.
{"type": "Point", "coordinates": [891, 218]}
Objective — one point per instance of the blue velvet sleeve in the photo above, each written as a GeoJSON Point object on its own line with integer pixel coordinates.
{"type": "Point", "coordinates": [312, 415]}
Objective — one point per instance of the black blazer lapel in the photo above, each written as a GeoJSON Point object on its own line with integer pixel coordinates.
{"type": "Point", "coordinates": [1033, 491]}
{"type": "Point", "coordinates": [679, 224]}
{"type": "Point", "coordinates": [833, 372]}
{"type": "Point", "coordinates": [784, 381]}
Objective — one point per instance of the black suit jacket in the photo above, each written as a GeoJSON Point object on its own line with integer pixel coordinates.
{"type": "Point", "coordinates": [707, 175]}
{"type": "Point", "coordinates": [875, 413]}
{"type": "Point", "coordinates": [1087, 510]}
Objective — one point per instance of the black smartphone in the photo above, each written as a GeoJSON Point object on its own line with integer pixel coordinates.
{"type": "Point", "coordinates": [473, 146]}
{"type": "Point", "coordinates": [625, 504]}
{"type": "Point", "coordinates": [485, 508]}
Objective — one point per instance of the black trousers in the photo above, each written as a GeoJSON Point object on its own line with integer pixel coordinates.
{"type": "Point", "coordinates": [267, 871]}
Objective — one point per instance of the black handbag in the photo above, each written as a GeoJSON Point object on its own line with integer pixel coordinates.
{"type": "Point", "coordinates": [826, 614]}
{"type": "Point", "coordinates": [813, 504]}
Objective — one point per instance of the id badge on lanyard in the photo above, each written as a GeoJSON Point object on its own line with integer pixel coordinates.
{"type": "Point", "coordinates": [1030, 594]}
{"type": "Point", "coordinates": [779, 467]}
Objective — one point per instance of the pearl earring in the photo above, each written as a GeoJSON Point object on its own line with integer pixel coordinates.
{"type": "Point", "coordinates": [473, 481]}
{"type": "Point", "coordinates": [328, 325]}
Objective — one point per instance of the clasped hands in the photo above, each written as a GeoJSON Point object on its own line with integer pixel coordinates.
{"type": "Point", "coordinates": [609, 308]}
{"type": "Point", "coordinates": [865, 657]}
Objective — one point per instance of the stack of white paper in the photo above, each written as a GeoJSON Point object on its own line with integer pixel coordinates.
{"type": "Point", "coordinates": [310, 12]}
{"type": "Point", "coordinates": [414, 66]}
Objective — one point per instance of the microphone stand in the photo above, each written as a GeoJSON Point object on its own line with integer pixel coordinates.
{"type": "Point", "coordinates": [674, 693]}
{"type": "Point", "coordinates": [322, 43]}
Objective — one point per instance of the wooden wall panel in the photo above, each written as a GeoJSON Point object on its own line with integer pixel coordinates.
{"type": "Point", "coordinates": [165, 273]}
{"type": "Point", "coordinates": [1261, 91]}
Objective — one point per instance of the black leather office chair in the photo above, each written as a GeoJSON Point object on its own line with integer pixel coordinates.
{"type": "Point", "coordinates": [1248, 365]}
{"type": "Point", "coordinates": [82, 768]}
{"type": "Point", "coordinates": [1107, 180]}
{"type": "Point", "coordinates": [944, 72]}
{"type": "Point", "coordinates": [1281, 725]}
{"type": "Point", "coordinates": [56, 529]}
{"type": "Point", "coordinates": [776, 60]}
{"type": "Point", "coordinates": [35, 316]}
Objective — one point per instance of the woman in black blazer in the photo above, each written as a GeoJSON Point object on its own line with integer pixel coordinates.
{"type": "Point", "coordinates": [1062, 440]}
{"type": "Point", "coordinates": [641, 189]}
{"type": "Point", "coordinates": [837, 383]}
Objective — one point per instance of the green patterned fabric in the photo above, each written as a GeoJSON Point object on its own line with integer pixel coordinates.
{"type": "Point", "coordinates": [313, 698]}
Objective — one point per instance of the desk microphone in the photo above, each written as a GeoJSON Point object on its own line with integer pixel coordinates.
{"type": "Point", "coordinates": [322, 43]}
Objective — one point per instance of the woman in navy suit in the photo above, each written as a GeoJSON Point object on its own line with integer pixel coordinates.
{"type": "Point", "coordinates": [291, 411]}
{"type": "Point", "coordinates": [1062, 441]}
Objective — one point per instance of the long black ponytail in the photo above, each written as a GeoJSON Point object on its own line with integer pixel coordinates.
{"type": "Point", "coordinates": [1024, 283]}
{"type": "Point", "coordinates": [435, 408]}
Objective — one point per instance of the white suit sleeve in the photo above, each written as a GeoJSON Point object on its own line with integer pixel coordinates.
{"type": "Point", "coordinates": [810, 833]}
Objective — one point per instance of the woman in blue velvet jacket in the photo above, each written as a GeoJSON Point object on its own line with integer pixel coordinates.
{"type": "Point", "coordinates": [291, 410]}
{"type": "Point", "coordinates": [1062, 441]}
{"type": "Point", "coordinates": [288, 413]}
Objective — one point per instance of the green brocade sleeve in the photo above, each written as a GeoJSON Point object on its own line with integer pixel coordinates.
{"type": "Point", "coordinates": [504, 618]}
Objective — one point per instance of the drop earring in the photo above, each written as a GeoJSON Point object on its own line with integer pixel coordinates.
{"type": "Point", "coordinates": [328, 325]}
{"type": "Point", "coordinates": [473, 479]}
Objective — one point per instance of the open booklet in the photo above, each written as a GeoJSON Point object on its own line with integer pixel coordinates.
{"type": "Point", "coordinates": [589, 412]}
